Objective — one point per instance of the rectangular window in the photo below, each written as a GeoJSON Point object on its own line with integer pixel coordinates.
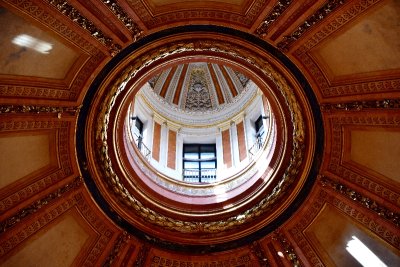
{"type": "Point", "coordinates": [138, 132]}
{"type": "Point", "coordinates": [139, 125]}
{"type": "Point", "coordinates": [199, 163]}
{"type": "Point", "coordinates": [259, 126]}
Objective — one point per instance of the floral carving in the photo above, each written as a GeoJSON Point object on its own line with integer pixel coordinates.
{"type": "Point", "coordinates": [275, 13]}
{"type": "Point", "coordinates": [73, 14]}
{"type": "Point", "coordinates": [39, 204]}
{"type": "Point", "coordinates": [360, 105]}
{"type": "Point", "coordinates": [6, 109]}
{"type": "Point", "coordinates": [124, 18]}
{"type": "Point", "coordinates": [382, 211]}
{"type": "Point", "coordinates": [288, 248]}
{"type": "Point", "coordinates": [319, 15]}
{"type": "Point", "coordinates": [121, 241]}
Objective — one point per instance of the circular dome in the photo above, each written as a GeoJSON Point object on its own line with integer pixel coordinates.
{"type": "Point", "coordinates": [226, 212]}
{"type": "Point", "coordinates": [198, 94]}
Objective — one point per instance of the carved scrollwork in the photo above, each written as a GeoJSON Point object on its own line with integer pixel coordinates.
{"type": "Point", "coordinates": [7, 109]}
{"type": "Point", "coordinates": [288, 249]}
{"type": "Point", "coordinates": [121, 240]}
{"type": "Point", "coordinates": [259, 252]}
{"type": "Point", "coordinates": [361, 105]}
{"type": "Point", "coordinates": [181, 226]}
{"type": "Point", "coordinates": [124, 18]}
{"type": "Point", "coordinates": [384, 212]}
{"type": "Point", "coordinates": [319, 15]}
{"type": "Point", "coordinates": [275, 13]}
{"type": "Point", "coordinates": [73, 14]}
{"type": "Point", "coordinates": [39, 204]}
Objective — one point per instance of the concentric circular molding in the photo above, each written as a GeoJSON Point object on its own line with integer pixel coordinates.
{"type": "Point", "coordinates": [120, 80]}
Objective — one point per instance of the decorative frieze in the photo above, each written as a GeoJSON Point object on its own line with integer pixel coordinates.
{"type": "Point", "coordinates": [73, 14]}
{"type": "Point", "coordinates": [9, 243]}
{"type": "Point", "coordinates": [241, 260]}
{"type": "Point", "coordinates": [142, 256]}
{"type": "Point", "coordinates": [153, 20]}
{"type": "Point", "coordinates": [360, 105]}
{"type": "Point", "coordinates": [121, 240]}
{"type": "Point", "coordinates": [9, 109]}
{"type": "Point", "coordinates": [259, 252]}
{"type": "Point", "coordinates": [385, 213]}
{"type": "Point", "coordinates": [39, 204]}
{"type": "Point", "coordinates": [104, 232]}
{"type": "Point", "coordinates": [124, 18]}
{"type": "Point", "coordinates": [275, 13]}
{"type": "Point", "coordinates": [288, 248]}
{"type": "Point", "coordinates": [319, 15]}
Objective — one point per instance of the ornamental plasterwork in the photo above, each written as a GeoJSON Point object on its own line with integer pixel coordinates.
{"type": "Point", "coordinates": [198, 73]}
{"type": "Point", "coordinates": [240, 77]}
{"type": "Point", "coordinates": [153, 80]}
{"type": "Point", "coordinates": [73, 14]}
{"type": "Point", "coordinates": [198, 95]}
{"type": "Point", "coordinates": [227, 92]}
{"type": "Point", "coordinates": [173, 85]}
{"type": "Point", "coordinates": [199, 118]}
{"type": "Point", "coordinates": [160, 81]}
{"type": "Point", "coordinates": [157, 218]}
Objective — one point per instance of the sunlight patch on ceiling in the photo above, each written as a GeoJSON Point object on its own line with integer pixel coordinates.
{"type": "Point", "coordinates": [363, 254]}
{"type": "Point", "coordinates": [25, 40]}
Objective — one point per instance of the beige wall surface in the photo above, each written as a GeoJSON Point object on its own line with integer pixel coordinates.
{"type": "Point", "coordinates": [57, 246]}
{"type": "Point", "coordinates": [21, 155]}
{"type": "Point", "coordinates": [27, 50]}
{"type": "Point", "coordinates": [371, 44]}
{"type": "Point", "coordinates": [377, 150]}
{"type": "Point", "coordinates": [332, 234]}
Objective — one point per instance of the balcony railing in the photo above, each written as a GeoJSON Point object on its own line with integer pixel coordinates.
{"type": "Point", "coordinates": [208, 175]}
{"type": "Point", "coordinates": [258, 144]}
{"type": "Point", "coordinates": [142, 147]}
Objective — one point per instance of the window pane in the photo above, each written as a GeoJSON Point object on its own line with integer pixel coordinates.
{"type": "Point", "coordinates": [207, 155]}
{"type": "Point", "coordinates": [191, 155]}
{"type": "Point", "coordinates": [191, 165]}
{"type": "Point", "coordinates": [208, 165]}
{"type": "Point", "coordinates": [190, 148]}
{"type": "Point", "coordinates": [259, 123]}
{"type": "Point", "coordinates": [207, 148]}
{"type": "Point", "coordinates": [139, 125]}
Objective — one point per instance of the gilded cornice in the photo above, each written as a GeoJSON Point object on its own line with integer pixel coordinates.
{"type": "Point", "coordinates": [315, 18]}
{"type": "Point", "coordinates": [11, 109]}
{"type": "Point", "coordinates": [39, 204]}
{"type": "Point", "coordinates": [362, 105]}
{"type": "Point", "coordinates": [83, 22]}
{"type": "Point", "coordinates": [391, 216]}
{"type": "Point", "coordinates": [273, 15]}
{"type": "Point", "coordinates": [119, 12]}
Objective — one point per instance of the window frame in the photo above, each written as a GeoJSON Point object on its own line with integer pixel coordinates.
{"type": "Point", "coordinates": [199, 149]}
